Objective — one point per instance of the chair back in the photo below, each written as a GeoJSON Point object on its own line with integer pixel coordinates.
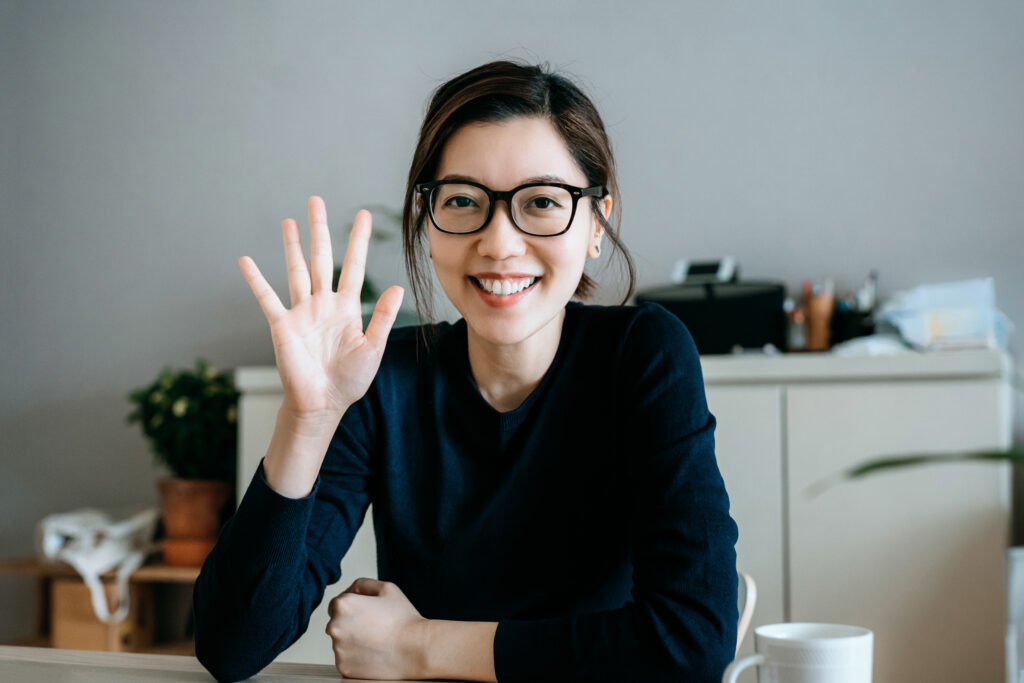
{"type": "Point", "coordinates": [747, 601]}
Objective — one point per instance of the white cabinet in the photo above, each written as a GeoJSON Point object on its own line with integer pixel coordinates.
{"type": "Point", "coordinates": [916, 555]}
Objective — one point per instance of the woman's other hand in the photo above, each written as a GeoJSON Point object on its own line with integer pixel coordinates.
{"type": "Point", "coordinates": [325, 359]}
{"type": "Point", "coordinates": [376, 632]}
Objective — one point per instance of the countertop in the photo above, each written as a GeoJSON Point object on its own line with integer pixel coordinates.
{"type": "Point", "coordinates": [786, 368]}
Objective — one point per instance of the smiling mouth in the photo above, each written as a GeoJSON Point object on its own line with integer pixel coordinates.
{"type": "Point", "coordinates": [504, 287]}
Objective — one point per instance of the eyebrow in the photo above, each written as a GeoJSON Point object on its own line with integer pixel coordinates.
{"type": "Point", "coordinates": [535, 179]}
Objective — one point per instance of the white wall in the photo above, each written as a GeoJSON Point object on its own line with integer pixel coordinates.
{"type": "Point", "coordinates": [147, 145]}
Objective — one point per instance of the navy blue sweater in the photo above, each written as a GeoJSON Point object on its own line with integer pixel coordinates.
{"type": "Point", "coordinates": [591, 522]}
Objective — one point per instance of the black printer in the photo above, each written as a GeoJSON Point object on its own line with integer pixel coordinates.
{"type": "Point", "coordinates": [721, 312]}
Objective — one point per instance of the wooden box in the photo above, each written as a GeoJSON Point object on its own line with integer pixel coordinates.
{"type": "Point", "coordinates": [75, 626]}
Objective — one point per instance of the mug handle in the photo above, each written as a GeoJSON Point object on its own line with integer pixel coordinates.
{"type": "Point", "coordinates": [732, 672]}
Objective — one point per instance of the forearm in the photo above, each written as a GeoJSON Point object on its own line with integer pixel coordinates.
{"type": "Point", "coordinates": [459, 650]}
{"type": "Point", "coordinates": [254, 584]}
{"type": "Point", "coordinates": [650, 641]}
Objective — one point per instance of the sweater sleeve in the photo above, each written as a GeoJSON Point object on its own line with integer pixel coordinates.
{"type": "Point", "coordinates": [681, 622]}
{"type": "Point", "coordinates": [275, 556]}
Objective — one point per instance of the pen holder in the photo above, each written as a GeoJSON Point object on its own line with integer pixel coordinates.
{"type": "Point", "coordinates": [847, 324]}
{"type": "Point", "coordinates": [819, 321]}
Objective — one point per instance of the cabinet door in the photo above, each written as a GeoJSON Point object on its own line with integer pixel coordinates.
{"type": "Point", "coordinates": [257, 416]}
{"type": "Point", "coordinates": [915, 555]}
{"type": "Point", "coordinates": [748, 445]}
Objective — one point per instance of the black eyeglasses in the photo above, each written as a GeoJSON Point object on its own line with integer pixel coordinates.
{"type": "Point", "coordinates": [461, 207]}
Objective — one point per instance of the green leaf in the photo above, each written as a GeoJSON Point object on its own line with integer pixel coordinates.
{"type": "Point", "coordinates": [369, 292]}
{"type": "Point", "coordinates": [863, 469]}
{"type": "Point", "coordinates": [1012, 455]}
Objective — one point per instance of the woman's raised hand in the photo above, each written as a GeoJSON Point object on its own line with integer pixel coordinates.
{"type": "Point", "coordinates": [325, 360]}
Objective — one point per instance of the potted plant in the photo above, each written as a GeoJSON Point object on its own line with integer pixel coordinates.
{"type": "Point", "coordinates": [190, 420]}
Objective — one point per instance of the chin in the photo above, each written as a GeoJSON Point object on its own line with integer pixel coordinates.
{"type": "Point", "coordinates": [503, 328]}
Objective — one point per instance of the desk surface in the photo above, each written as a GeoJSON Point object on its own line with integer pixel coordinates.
{"type": "Point", "coordinates": [46, 665]}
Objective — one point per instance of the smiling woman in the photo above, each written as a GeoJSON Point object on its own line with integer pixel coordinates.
{"type": "Point", "coordinates": [534, 432]}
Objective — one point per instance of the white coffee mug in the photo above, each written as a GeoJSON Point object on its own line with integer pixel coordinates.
{"type": "Point", "coordinates": [808, 653]}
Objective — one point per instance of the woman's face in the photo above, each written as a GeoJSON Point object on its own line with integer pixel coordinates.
{"type": "Point", "coordinates": [502, 156]}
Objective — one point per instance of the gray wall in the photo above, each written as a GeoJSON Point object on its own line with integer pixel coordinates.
{"type": "Point", "coordinates": [147, 145]}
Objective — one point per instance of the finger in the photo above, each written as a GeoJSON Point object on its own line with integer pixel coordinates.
{"type": "Point", "coordinates": [354, 267]}
{"type": "Point", "coordinates": [332, 607]}
{"type": "Point", "coordinates": [295, 261]}
{"type": "Point", "coordinates": [365, 586]}
{"type": "Point", "coordinates": [321, 260]}
{"type": "Point", "coordinates": [271, 305]}
{"type": "Point", "coordinates": [384, 314]}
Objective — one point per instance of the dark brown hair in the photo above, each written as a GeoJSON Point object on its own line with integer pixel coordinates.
{"type": "Point", "coordinates": [495, 92]}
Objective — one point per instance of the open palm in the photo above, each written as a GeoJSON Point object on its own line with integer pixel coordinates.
{"type": "Point", "coordinates": [325, 359]}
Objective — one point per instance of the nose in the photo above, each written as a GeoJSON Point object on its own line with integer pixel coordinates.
{"type": "Point", "coordinates": [500, 239]}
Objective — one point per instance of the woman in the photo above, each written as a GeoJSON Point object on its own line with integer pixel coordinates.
{"type": "Point", "coordinates": [546, 499]}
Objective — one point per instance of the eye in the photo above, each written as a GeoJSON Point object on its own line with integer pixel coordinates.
{"type": "Point", "coordinates": [459, 202]}
{"type": "Point", "coordinates": [541, 202]}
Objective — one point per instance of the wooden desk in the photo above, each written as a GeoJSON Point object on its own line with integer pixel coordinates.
{"type": "Point", "coordinates": [45, 665]}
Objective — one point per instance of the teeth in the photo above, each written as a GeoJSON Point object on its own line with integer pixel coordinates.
{"type": "Point", "coordinates": [505, 287]}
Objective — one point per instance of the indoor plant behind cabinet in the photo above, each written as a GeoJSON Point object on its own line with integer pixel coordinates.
{"type": "Point", "coordinates": [190, 419]}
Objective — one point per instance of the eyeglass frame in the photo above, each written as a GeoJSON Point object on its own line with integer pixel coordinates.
{"type": "Point", "coordinates": [493, 196]}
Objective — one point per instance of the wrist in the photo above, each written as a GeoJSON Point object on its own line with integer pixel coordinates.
{"type": "Point", "coordinates": [461, 650]}
{"type": "Point", "coordinates": [419, 646]}
{"type": "Point", "coordinates": [306, 424]}
{"type": "Point", "coordinates": [296, 451]}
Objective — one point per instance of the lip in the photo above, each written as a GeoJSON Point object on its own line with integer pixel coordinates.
{"type": "Point", "coordinates": [503, 276]}
{"type": "Point", "coordinates": [497, 301]}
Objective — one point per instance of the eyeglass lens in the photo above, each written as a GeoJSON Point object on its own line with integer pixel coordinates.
{"type": "Point", "coordinates": [539, 210]}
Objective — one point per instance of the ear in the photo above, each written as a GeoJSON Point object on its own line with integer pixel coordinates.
{"type": "Point", "coordinates": [594, 250]}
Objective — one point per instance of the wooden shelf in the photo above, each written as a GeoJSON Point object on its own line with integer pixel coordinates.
{"type": "Point", "coordinates": [34, 641]}
{"type": "Point", "coordinates": [53, 581]}
{"type": "Point", "coordinates": [150, 573]}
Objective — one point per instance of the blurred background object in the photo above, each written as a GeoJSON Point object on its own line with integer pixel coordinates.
{"type": "Point", "coordinates": [191, 421]}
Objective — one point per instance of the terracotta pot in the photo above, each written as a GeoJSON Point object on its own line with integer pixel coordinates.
{"type": "Point", "coordinates": [192, 511]}
{"type": "Point", "coordinates": [186, 552]}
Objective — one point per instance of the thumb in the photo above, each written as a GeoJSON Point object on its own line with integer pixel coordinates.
{"type": "Point", "coordinates": [365, 586]}
{"type": "Point", "coordinates": [384, 314]}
